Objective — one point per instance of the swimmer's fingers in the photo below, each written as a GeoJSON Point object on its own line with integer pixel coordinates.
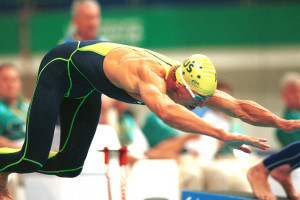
{"type": "Point", "coordinates": [245, 149]}
{"type": "Point", "coordinates": [258, 143]}
{"type": "Point", "coordinates": [242, 142]}
{"type": "Point", "coordinates": [255, 144]}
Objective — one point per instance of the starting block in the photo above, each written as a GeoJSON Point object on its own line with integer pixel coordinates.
{"type": "Point", "coordinates": [228, 195]}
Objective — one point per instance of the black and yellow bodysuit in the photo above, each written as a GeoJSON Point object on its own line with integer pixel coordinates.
{"type": "Point", "coordinates": [69, 84]}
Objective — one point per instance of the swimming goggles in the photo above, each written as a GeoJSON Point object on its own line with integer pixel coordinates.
{"type": "Point", "coordinates": [196, 97]}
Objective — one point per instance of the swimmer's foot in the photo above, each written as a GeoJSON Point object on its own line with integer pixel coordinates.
{"type": "Point", "coordinates": [258, 179]}
{"type": "Point", "coordinates": [283, 175]}
{"type": "Point", "coordinates": [4, 193]}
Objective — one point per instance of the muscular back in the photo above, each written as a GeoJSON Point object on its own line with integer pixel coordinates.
{"type": "Point", "coordinates": [128, 68]}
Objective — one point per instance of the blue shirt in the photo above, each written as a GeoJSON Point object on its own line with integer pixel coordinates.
{"type": "Point", "coordinates": [70, 38]}
{"type": "Point", "coordinates": [13, 120]}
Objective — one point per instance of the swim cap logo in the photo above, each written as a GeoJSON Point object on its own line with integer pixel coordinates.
{"type": "Point", "coordinates": [196, 83]}
{"type": "Point", "coordinates": [188, 65]}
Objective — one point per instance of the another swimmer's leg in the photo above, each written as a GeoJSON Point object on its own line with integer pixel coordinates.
{"type": "Point", "coordinates": [258, 179]}
{"type": "Point", "coordinates": [4, 193]}
{"type": "Point", "coordinates": [283, 175]}
{"type": "Point", "coordinates": [282, 163]}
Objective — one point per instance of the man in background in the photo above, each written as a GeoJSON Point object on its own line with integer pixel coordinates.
{"type": "Point", "coordinates": [13, 108]}
{"type": "Point", "coordinates": [13, 111]}
{"type": "Point", "coordinates": [280, 165]}
{"type": "Point", "coordinates": [290, 93]}
{"type": "Point", "coordinates": [86, 21]}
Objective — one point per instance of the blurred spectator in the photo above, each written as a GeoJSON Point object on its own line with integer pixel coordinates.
{"type": "Point", "coordinates": [226, 169]}
{"type": "Point", "coordinates": [13, 111]}
{"type": "Point", "coordinates": [290, 93]}
{"type": "Point", "coordinates": [86, 21]}
{"type": "Point", "coordinates": [235, 125]}
{"type": "Point", "coordinates": [117, 114]}
{"type": "Point", "coordinates": [209, 147]}
{"type": "Point", "coordinates": [168, 143]}
{"type": "Point", "coordinates": [197, 171]}
{"type": "Point", "coordinates": [153, 129]}
{"type": "Point", "coordinates": [85, 25]}
{"type": "Point", "coordinates": [13, 108]}
{"type": "Point", "coordinates": [164, 141]}
{"type": "Point", "coordinates": [280, 165]}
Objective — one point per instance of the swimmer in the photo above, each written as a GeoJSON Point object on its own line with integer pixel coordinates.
{"type": "Point", "coordinates": [73, 76]}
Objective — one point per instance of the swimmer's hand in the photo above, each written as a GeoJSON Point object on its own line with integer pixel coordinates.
{"type": "Point", "coordinates": [290, 125]}
{"type": "Point", "coordinates": [241, 142]}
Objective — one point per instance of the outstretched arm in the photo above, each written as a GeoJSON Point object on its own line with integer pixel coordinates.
{"type": "Point", "coordinates": [177, 116]}
{"type": "Point", "coordinates": [143, 78]}
{"type": "Point", "coordinates": [250, 112]}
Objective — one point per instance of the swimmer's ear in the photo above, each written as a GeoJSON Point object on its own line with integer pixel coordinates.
{"type": "Point", "coordinates": [176, 83]}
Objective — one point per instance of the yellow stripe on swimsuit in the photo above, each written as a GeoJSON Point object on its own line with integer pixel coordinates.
{"type": "Point", "coordinates": [104, 47]}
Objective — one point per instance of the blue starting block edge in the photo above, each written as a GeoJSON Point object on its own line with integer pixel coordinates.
{"type": "Point", "coordinates": [192, 195]}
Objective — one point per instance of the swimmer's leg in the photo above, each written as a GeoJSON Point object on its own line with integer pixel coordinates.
{"type": "Point", "coordinates": [52, 84]}
{"type": "Point", "coordinates": [283, 175]}
{"type": "Point", "coordinates": [280, 166]}
{"type": "Point", "coordinates": [289, 155]}
{"type": "Point", "coordinates": [258, 179]}
{"type": "Point", "coordinates": [79, 120]}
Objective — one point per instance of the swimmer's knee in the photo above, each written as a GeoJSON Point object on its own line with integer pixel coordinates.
{"type": "Point", "coordinates": [70, 174]}
{"type": "Point", "coordinates": [26, 167]}
{"type": "Point", "coordinates": [33, 168]}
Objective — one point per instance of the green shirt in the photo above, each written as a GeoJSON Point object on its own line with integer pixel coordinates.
{"type": "Point", "coordinates": [127, 126]}
{"type": "Point", "coordinates": [288, 138]}
{"type": "Point", "coordinates": [13, 120]}
{"type": "Point", "coordinates": [156, 131]}
{"type": "Point", "coordinates": [235, 127]}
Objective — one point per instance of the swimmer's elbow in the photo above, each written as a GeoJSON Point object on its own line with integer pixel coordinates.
{"type": "Point", "coordinates": [163, 115]}
{"type": "Point", "coordinates": [248, 111]}
{"type": "Point", "coordinates": [166, 114]}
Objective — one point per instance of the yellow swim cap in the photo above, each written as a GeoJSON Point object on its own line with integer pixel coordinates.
{"type": "Point", "coordinates": [199, 74]}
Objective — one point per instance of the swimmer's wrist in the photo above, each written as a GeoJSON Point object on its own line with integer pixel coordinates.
{"type": "Point", "coordinates": [223, 135]}
{"type": "Point", "coordinates": [280, 123]}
